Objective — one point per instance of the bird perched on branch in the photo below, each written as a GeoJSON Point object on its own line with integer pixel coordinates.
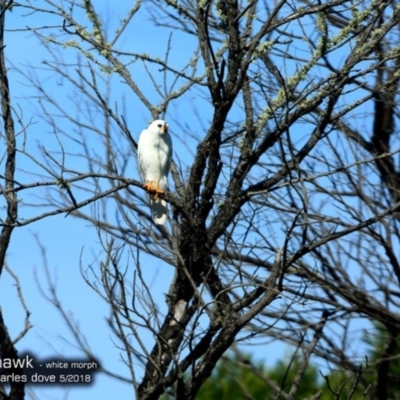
{"type": "Point", "coordinates": [154, 157]}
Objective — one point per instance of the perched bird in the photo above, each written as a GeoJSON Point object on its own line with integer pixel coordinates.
{"type": "Point", "coordinates": [154, 157]}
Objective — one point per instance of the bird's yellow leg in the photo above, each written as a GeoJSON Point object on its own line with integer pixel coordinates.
{"type": "Point", "coordinates": [153, 188]}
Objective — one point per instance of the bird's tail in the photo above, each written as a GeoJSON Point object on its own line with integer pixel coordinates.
{"type": "Point", "coordinates": [159, 210]}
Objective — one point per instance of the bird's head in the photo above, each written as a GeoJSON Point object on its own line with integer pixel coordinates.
{"type": "Point", "coordinates": [158, 126]}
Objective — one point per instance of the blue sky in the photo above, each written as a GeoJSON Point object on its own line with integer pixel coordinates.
{"type": "Point", "coordinates": [72, 243]}
{"type": "Point", "coordinates": [65, 239]}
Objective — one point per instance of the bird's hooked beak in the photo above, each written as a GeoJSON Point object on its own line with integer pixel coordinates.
{"type": "Point", "coordinates": [164, 128]}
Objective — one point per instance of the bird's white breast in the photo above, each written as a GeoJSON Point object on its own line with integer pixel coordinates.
{"type": "Point", "coordinates": [154, 153]}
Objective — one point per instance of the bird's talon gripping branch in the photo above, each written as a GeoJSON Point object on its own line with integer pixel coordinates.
{"type": "Point", "coordinates": [153, 189]}
{"type": "Point", "coordinates": [157, 192]}
{"type": "Point", "coordinates": [148, 186]}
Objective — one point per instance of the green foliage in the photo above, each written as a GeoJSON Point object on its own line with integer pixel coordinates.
{"type": "Point", "coordinates": [231, 380]}
{"type": "Point", "coordinates": [309, 385]}
{"type": "Point", "coordinates": [341, 385]}
{"type": "Point", "coordinates": [236, 380]}
{"type": "Point", "coordinates": [384, 348]}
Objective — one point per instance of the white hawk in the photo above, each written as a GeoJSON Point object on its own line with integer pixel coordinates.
{"type": "Point", "coordinates": [154, 156]}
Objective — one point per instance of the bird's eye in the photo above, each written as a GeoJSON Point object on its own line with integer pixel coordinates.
{"type": "Point", "coordinates": [159, 125]}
